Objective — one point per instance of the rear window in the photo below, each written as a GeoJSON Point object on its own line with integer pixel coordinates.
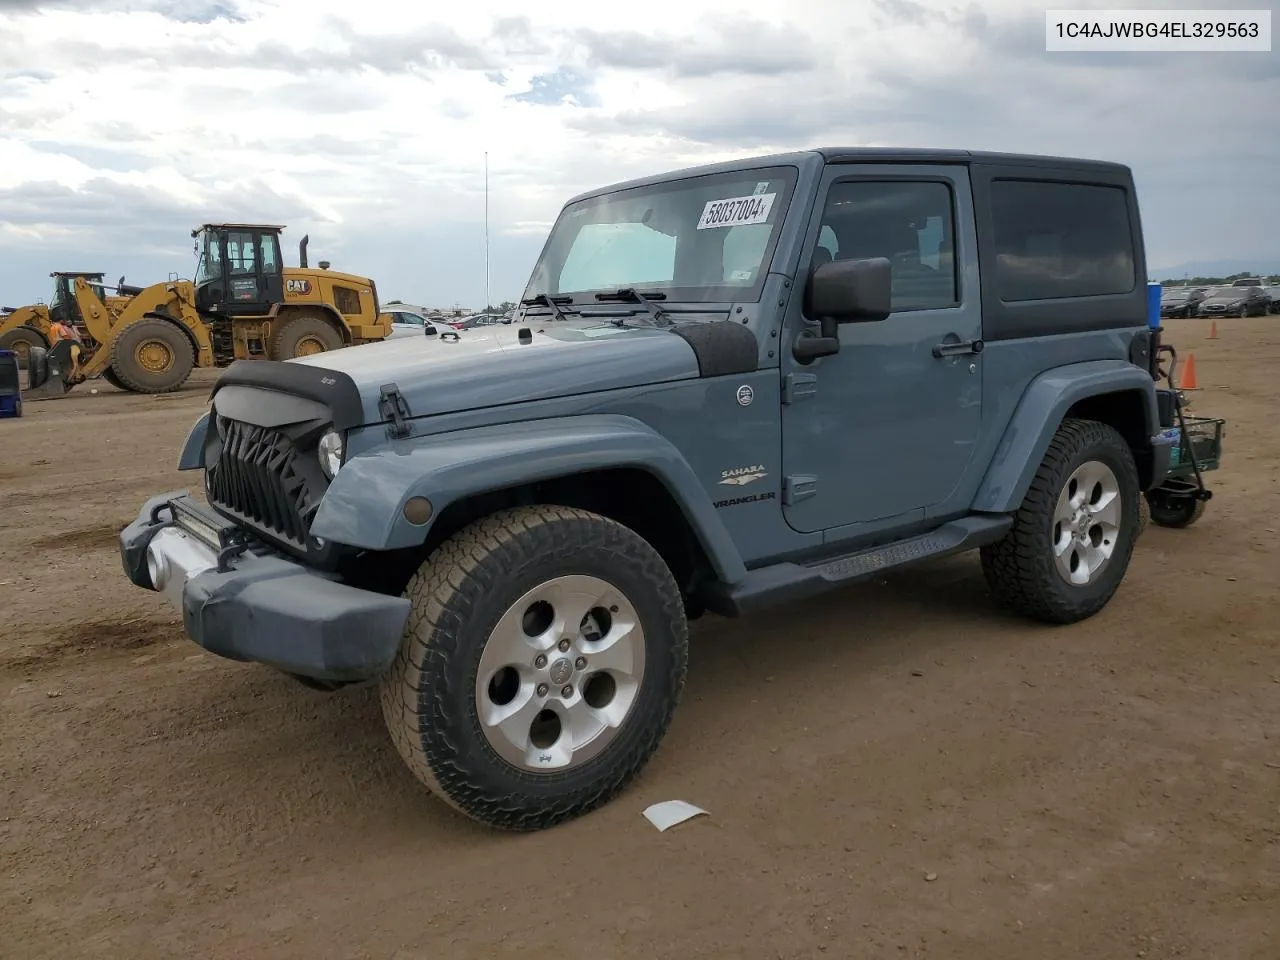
{"type": "Point", "coordinates": [1061, 240]}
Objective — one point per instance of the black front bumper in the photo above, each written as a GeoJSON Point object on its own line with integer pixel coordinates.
{"type": "Point", "coordinates": [254, 605]}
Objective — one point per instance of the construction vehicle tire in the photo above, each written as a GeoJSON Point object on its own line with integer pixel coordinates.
{"type": "Point", "coordinates": [20, 340]}
{"type": "Point", "coordinates": [109, 375]}
{"type": "Point", "coordinates": [152, 356]}
{"type": "Point", "coordinates": [37, 367]}
{"type": "Point", "coordinates": [302, 335]}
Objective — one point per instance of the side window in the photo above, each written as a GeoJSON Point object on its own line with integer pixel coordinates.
{"type": "Point", "coordinates": [1055, 240]}
{"type": "Point", "coordinates": [240, 253]}
{"type": "Point", "coordinates": [911, 223]}
{"type": "Point", "coordinates": [269, 252]}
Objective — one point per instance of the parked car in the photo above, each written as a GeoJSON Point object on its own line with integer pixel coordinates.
{"type": "Point", "coordinates": [1249, 282]}
{"type": "Point", "coordinates": [1273, 292]}
{"type": "Point", "coordinates": [510, 542]}
{"type": "Point", "coordinates": [1233, 301]}
{"type": "Point", "coordinates": [406, 324]}
{"type": "Point", "coordinates": [1181, 301]}
{"type": "Point", "coordinates": [478, 320]}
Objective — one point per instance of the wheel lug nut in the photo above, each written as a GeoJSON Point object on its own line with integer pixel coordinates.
{"type": "Point", "coordinates": [542, 689]}
{"type": "Point", "coordinates": [539, 661]}
{"type": "Point", "coordinates": [564, 644]}
{"type": "Point", "coordinates": [566, 691]}
{"type": "Point", "coordinates": [580, 663]}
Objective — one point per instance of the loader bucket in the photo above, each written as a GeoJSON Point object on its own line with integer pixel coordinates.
{"type": "Point", "coordinates": [49, 371]}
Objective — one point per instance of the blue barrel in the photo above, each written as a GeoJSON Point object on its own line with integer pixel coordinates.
{"type": "Point", "coordinates": [1154, 291]}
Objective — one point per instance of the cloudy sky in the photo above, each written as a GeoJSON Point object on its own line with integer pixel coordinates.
{"type": "Point", "coordinates": [125, 123]}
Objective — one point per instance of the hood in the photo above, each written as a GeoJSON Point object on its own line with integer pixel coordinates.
{"type": "Point", "coordinates": [492, 367]}
{"type": "Point", "coordinates": [1227, 297]}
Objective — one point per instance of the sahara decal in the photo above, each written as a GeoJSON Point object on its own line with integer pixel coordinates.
{"type": "Point", "coordinates": [739, 476]}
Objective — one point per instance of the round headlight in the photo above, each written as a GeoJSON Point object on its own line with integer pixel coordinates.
{"type": "Point", "coordinates": [330, 452]}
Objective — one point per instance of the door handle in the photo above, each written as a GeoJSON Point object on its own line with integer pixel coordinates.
{"type": "Point", "coordinates": [956, 348]}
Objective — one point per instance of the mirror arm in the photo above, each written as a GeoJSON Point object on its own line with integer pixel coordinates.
{"type": "Point", "coordinates": [808, 348]}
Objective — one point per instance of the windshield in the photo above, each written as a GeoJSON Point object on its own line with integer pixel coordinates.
{"type": "Point", "coordinates": [209, 266]}
{"type": "Point", "coordinates": [61, 291]}
{"type": "Point", "coordinates": [701, 239]}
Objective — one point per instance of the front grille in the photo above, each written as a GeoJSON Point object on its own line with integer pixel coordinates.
{"type": "Point", "coordinates": [257, 477]}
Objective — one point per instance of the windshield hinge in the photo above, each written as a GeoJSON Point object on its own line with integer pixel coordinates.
{"type": "Point", "coordinates": [392, 406]}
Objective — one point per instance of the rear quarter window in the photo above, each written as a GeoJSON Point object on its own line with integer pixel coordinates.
{"type": "Point", "coordinates": [1061, 240]}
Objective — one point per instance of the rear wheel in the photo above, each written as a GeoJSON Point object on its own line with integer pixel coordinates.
{"type": "Point", "coordinates": [542, 661]}
{"type": "Point", "coordinates": [302, 335]}
{"type": "Point", "coordinates": [151, 356]}
{"type": "Point", "coordinates": [1072, 538]}
{"type": "Point", "coordinates": [109, 375]}
{"type": "Point", "coordinates": [20, 340]}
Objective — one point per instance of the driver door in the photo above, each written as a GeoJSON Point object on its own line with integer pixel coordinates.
{"type": "Point", "coordinates": [879, 433]}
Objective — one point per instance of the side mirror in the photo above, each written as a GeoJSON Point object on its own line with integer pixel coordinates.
{"type": "Point", "coordinates": [843, 291]}
{"type": "Point", "coordinates": [428, 330]}
{"type": "Point", "coordinates": [851, 291]}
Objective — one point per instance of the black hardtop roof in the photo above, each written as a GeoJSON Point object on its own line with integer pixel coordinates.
{"type": "Point", "coordinates": [868, 155]}
{"type": "Point", "coordinates": [235, 226]}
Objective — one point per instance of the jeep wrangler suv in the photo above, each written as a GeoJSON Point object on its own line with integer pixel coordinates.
{"type": "Point", "coordinates": [728, 386]}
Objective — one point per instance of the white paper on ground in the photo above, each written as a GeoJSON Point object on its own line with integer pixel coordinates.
{"type": "Point", "coordinates": [670, 812]}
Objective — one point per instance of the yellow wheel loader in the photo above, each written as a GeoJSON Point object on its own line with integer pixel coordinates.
{"type": "Point", "coordinates": [22, 328]}
{"type": "Point", "coordinates": [243, 304]}
{"type": "Point", "coordinates": [261, 309]}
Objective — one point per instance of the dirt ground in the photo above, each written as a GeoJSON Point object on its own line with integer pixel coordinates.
{"type": "Point", "coordinates": [896, 770]}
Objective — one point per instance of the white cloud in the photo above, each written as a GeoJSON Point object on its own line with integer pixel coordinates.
{"type": "Point", "coordinates": [123, 124]}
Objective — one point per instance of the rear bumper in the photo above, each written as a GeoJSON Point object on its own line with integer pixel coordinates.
{"type": "Point", "coordinates": [256, 606]}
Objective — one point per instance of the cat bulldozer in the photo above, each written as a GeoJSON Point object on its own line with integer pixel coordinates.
{"type": "Point", "coordinates": [244, 304]}
{"type": "Point", "coordinates": [22, 328]}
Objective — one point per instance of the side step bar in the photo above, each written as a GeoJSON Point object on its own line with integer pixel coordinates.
{"type": "Point", "coordinates": [784, 582]}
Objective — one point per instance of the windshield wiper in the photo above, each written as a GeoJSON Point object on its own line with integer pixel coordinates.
{"type": "Point", "coordinates": [551, 303]}
{"type": "Point", "coordinates": [632, 295]}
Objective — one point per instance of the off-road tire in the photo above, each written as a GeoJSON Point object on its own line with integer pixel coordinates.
{"type": "Point", "coordinates": [459, 594]}
{"type": "Point", "coordinates": [1175, 512]}
{"type": "Point", "coordinates": [1144, 516]}
{"type": "Point", "coordinates": [1019, 568]}
{"type": "Point", "coordinates": [109, 375]}
{"type": "Point", "coordinates": [300, 329]}
{"type": "Point", "coordinates": [131, 371]}
{"type": "Point", "coordinates": [24, 338]}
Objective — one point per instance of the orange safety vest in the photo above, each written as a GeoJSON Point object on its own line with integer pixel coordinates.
{"type": "Point", "coordinates": [60, 331]}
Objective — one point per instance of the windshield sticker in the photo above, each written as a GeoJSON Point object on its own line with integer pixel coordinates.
{"type": "Point", "coordinates": [736, 211]}
{"type": "Point", "coordinates": [761, 187]}
{"type": "Point", "coordinates": [740, 275]}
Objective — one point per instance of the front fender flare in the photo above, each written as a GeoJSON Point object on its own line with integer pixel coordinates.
{"type": "Point", "coordinates": [364, 505]}
{"type": "Point", "coordinates": [1042, 408]}
{"type": "Point", "coordinates": [192, 457]}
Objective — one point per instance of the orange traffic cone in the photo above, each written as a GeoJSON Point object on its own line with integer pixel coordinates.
{"type": "Point", "coordinates": [1188, 379]}
{"type": "Point", "coordinates": [1213, 330]}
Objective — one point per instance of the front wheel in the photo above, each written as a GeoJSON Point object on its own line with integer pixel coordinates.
{"type": "Point", "coordinates": [1075, 531]}
{"type": "Point", "coordinates": [542, 662]}
{"type": "Point", "coordinates": [151, 356]}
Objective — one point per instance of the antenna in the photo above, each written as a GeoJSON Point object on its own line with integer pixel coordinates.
{"type": "Point", "coordinates": [486, 230]}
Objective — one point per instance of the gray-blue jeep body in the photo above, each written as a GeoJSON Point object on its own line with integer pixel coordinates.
{"type": "Point", "coordinates": [781, 374]}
